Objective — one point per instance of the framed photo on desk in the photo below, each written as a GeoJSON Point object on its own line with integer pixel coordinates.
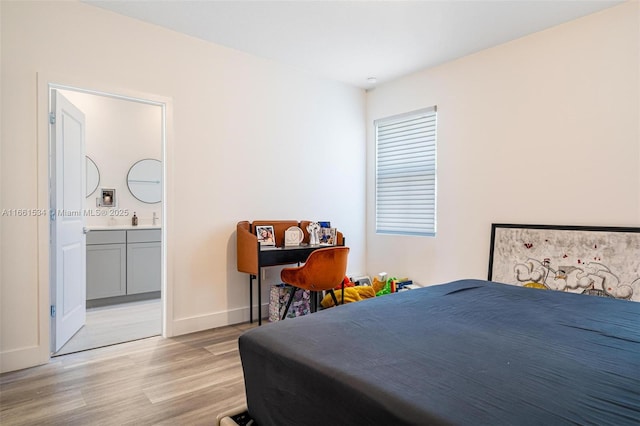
{"type": "Point", "coordinates": [266, 236]}
{"type": "Point", "coordinates": [328, 236]}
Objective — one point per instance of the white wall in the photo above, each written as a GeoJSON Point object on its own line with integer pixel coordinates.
{"type": "Point", "coordinates": [119, 133]}
{"type": "Point", "coordinates": [541, 130]}
{"type": "Point", "coordinates": [247, 139]}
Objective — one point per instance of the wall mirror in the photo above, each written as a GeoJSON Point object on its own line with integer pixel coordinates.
{"type": "Point", "coordinates": [144, 180]}
{"type": "Point", "coordinates": [93, 176]}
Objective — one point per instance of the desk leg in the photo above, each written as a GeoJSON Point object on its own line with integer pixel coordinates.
{"type": "Point", "coordinates": [251, 277]}
{"type": "Point", "coordinates": [259, 297]}
{"type": "Point", "coordinates": [313, 300]}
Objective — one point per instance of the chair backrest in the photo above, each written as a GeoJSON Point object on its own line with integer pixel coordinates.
{"type": "Point", "coordinates": [324, 269]}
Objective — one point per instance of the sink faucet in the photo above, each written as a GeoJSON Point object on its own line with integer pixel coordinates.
{"type": "Point", "coordinates": [155, 218]}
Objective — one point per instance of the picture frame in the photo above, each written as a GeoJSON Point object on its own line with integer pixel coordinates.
{"type": "Point", "coordinates": [293, 236]}
{"type": "Point", "coordinates": [593, 260]}
{"type": "Point", "coordinates": [328, 236]}
{"type": "Point", "coordinates": [266, 236]}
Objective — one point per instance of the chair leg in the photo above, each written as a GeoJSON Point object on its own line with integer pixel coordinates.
{"type": "Point", "coordinates": [333, 296]}
{"type": "Point", "coordinates": [293, 293]}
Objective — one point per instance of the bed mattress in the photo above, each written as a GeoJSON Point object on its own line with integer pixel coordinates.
{"type": "Point", "coordinates": [466, 352]}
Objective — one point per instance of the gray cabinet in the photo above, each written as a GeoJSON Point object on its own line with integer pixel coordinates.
{"type": "Point", "coordinates": [106, 264]}
{"type": "Point", "coordinates": [123, 262]}
{"type": "Point", "coordinates": [143, 261]}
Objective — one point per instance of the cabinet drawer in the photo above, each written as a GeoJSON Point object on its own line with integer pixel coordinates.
{"type": "Point", "coordinates": [106, 237]}
{"type": "Point", "coordinates": [143, 235]}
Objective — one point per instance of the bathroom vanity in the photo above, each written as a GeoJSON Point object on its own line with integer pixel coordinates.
{"type": "Point", "coordinates": [123, 264]}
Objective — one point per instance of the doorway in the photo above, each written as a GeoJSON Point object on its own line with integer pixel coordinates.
{"type": "Point", "coordinates": [124, 141]}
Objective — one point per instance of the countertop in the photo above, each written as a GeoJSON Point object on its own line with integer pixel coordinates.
{"type": "Point", "coordinates": [121, 227]}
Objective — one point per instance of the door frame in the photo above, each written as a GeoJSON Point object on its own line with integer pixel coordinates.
{"type": "Point", "coordinates": [45, 83]}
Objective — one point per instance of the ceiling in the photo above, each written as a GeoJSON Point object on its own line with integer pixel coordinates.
{"type": "Point", "coordinates": [351, 41]}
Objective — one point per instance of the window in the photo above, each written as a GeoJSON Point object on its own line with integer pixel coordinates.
{"type": "Point", "coordinates": [406, 173]}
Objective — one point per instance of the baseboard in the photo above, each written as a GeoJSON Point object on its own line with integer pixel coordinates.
{"type": "Point", "coordinates": [215, 320]}
{"type": "Point", "coordinates": [106, 301]}
{"type": "Point", "coordinates": [19, 359]}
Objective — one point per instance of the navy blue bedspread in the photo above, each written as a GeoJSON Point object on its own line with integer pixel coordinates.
{"type": "Point", "coordinates": [468, 352]}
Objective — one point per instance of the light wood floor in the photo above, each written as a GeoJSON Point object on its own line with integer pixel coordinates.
{"type": "Point", "coordinates": [124, 322]}
{"type": "Point", "coordinates": [186, 380]}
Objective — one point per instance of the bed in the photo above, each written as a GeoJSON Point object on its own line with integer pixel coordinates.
{"type": "Point", "coordinates": [465, 352]}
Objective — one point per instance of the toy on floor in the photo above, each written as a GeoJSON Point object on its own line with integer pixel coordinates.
{"type": "Point", "coordinates": [351, 294]}
{"type": "Point", "coordinates": [354, 293]}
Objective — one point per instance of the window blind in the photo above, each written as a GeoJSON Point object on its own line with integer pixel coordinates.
{"type": "Point", "coordinates": [406, 173]}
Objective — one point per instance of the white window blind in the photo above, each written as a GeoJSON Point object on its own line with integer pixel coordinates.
{"type": "Point", "coordinates": [406, 173]}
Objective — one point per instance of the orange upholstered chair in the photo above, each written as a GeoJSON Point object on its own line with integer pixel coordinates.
{"type": "Point", "coordinates": [324, 269]}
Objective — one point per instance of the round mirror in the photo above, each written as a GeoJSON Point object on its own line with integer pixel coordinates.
{"type": "Point", "coordinates": [93, 176]}
{"type": "Point", "coordinates": [144, 179]}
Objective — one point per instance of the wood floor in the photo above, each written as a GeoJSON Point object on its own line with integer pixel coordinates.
{"type": "Point", "coordinates": [186, 380]}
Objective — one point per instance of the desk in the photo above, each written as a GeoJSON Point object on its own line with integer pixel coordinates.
{"type": "Point", "coordinates": [273, 256]}
{"type": "Point", "coordinates": [251, 257]}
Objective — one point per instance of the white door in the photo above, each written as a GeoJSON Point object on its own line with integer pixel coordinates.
{"type": "Point", "coordinates": [68, 241]}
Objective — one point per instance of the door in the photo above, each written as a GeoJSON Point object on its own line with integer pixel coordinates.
{"type": "Point", "coordinates": [68, 240]}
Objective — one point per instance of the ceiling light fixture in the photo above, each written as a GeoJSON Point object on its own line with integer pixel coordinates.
{"type": "Point", "coordinates": [372, 80]}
